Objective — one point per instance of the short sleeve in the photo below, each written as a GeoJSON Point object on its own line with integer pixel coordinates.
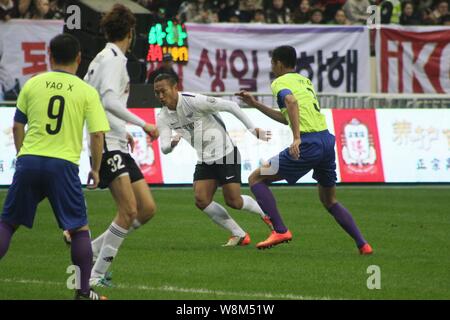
{"type": "Point", "coordinates": [95, 113]}
{"type": "Point", "coordinates": [280, 90]}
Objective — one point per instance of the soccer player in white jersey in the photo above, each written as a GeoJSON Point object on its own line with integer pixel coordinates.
{"type": "Point", "coordinates": [119, 172]}
{"type": "Point", "coordinates": [196, 119]}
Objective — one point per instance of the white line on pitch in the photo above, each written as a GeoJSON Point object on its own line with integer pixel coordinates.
{"type": "Point", "coordinates": [168, 288]}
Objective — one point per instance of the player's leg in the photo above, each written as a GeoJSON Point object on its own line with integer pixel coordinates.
{"type": "Point", "coordinates": [204, 191]}
{"type": "Point", "coordinates": [125, 200]}
{"type": "Point", "coordinates": [6, 232]}
{"type": "Point", "coordinates": [20, 205]}
{"type": "Point", "coordinates": [64, 191]}
{"type": "Point", "coordinates": [259, 185]}
{"type": "Point", "coordinates": [325, 174]}
{"type": "Point", "coordinates": [115, 164]}
{"type": "Point", "coordinates": [146, 206]}
{"type": "Point", "coordinates": [236, 200]}
{"type": "Point", "coordinates": [343, 217]}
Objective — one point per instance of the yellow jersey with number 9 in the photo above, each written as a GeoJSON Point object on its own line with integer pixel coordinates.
{"type": "Point", "coordinates": [56, 106]}
{"type": "Point", "coordinates": [311, 120]}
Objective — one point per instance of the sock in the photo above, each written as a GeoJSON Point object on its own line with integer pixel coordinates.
{"type": "Point", "coordinates": [345, 220]}
{"type": "Point", "coordinates": [268, 204]}
{"type": "Point", "coordinates": [111, 243]}
{"type": "Point", "coordinates": [81, 252]}
{"type": "Point", "coordinates": [6, 233]}
{"type": "Point", "coordinates": [97, 243]}
{"type": "Point", "coordinates": [219, 215]}
{"type": "Point", "coordinates": [251, 205]}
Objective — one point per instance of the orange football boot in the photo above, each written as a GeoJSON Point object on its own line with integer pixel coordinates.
{"type": "Point", "coordinates": [274, 239]}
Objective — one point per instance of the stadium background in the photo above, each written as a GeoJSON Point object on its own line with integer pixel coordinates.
{"type": "Point", "coordinates": [385, 93]}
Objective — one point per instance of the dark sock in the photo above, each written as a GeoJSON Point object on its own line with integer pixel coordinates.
{"type": "Point", "coordinates": [345, 220]}
{"type": "Point", "coordinates": [6, 233]}
{"type": "Point", "coordinates": [82, 257]}
{"type": "Point", "coordinates": [268, 204]}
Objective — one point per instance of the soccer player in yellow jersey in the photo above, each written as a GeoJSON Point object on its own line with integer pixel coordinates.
{"type": "Point", "coordinates": [55, 105]}
{"type": "Point", "coordinates": [312, 148]}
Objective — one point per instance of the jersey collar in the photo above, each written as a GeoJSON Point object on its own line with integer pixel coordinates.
{"type": "Point", "coordinates": [119, 52]}
{"type": "Point", "coordinates": [178, 105]}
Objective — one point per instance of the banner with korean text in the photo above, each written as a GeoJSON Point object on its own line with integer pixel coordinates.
{"type": "Point", "coordinates": [233, 57]}
{"type": "Point", "coordinates": [413, 59]}
{"type": "Point", "coordinates": [24, 50]}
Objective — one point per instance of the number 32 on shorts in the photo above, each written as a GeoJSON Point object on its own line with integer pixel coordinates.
{"type": "Point", "coordinates": [115, 162]}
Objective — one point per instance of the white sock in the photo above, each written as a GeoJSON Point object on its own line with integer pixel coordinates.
{"type": "Point", "coordinates": [219, 215]}
{"type": "Point", "coordinates": [97, 244]}
{"type": "Point", "coordinates": [251, 205]}
{"type": "Point", "coordinates": [112, 240]}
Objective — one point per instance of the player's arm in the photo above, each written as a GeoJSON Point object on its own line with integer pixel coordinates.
{"type": "Point", "coordinates": [168, 143]}
{"type": "Point", "coordinates": [97, 124]}
{"type": "Point", "coordinates": [113, 105]}
{"type": "Point", "coordinates": [20, 120]}
{"type": "Point", "coordinates": [212, 105]}
{"type": "Point", "coordinates": [96, 146]}
{"type": "Point", "coordinates": [110, 90]}
{"type": "Point", "coordinates": [293, 113]}
{"type": "Point", "coordinates": [249, 99]}
{"type": "Point", "coordinates": [19, 135]}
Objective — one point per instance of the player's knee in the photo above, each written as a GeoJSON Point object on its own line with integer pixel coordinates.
{"type": "Point", "coordinates": [202, 202]}
{"type": "Point", "coordinates": [235, 203]}
{"type": "Point", "coordinates": [254, 178]}
{"type": "Point", "coordinates": [327, 202]}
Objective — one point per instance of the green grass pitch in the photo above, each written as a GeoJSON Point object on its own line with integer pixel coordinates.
{"type": "Point", "coordinates": [178, 255]}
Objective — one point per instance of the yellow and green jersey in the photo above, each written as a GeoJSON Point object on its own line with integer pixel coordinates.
{"type": "Point", "coordinates": [55, 106]}
{"type": "Point", "coordinates": [311, 120]}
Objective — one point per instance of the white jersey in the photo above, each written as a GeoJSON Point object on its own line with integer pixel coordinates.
{"type": "Point", "coordinates": [197, 120]}
{"type": "Point", "coordinates": [108, 74]}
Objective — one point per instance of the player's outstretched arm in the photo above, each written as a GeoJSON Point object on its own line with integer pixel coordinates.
{"type": "Point", "coordinates": [97, 139]}
{"type": "Point", "coordinates": [250, 100]}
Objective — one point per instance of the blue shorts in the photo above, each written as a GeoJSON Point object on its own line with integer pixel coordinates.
{"type": "Point", "coordinates": [37, 178]}
{"type": "Point", "coordinates": [316, 153]}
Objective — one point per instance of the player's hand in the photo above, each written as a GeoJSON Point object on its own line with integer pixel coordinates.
{"type": "Point", "coordinates": [175, 140]}
{"type": "Point", "coordinates": [93, 180]}
{"type": "Point", "coordinates": [247, 97]}
{"type": "Point", "coordinates": [294, 149]}
{"type": "Point", "coordinates": [263, 134]}
{"type": "Point", "coordinates": [152, 131]}
{"type": "Point", "coordinates": [130, 141]}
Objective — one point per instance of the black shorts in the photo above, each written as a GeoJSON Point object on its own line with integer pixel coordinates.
{"type": "Point", "coordinates": [225, 170]}
{"type": "Point", "coordinates": [117, 163]}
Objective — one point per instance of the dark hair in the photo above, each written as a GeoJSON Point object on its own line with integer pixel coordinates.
{"type": "Point", "coordinates": [118, 22]}
{"type": "Point", "coordinates": [64, 49]}
{"type": "Point", "coordinates": [286, 55]}
{"type": "Point", "coordinates": [166, 76]}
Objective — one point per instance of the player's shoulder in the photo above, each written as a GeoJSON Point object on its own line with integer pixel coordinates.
{"type": "Point", "coordinates": [191, 95]}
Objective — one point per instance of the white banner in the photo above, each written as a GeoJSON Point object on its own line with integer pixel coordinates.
{"type": "Point", "coordinates": [415, 144]}
{"type": "Point", "coordinates": [231, 57]}
{"type": "Point", "coordinates": [23, 49]}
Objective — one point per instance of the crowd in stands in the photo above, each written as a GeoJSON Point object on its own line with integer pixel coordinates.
{"type": "Point", "coordinates": [340, 12]}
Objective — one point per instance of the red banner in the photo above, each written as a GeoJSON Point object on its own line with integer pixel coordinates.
{"type": "Point", "coordinates": [146, 153]}
{"type": "Point", "coordinates": [414, 59]}
{"type": "Point", "coordinates": [358, 145]}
